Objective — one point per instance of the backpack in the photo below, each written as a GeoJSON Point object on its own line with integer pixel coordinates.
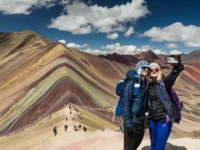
{"type": "Point", "coordinates": [176, 101]}
{"type": "Point", "coordinates": [119, 93]}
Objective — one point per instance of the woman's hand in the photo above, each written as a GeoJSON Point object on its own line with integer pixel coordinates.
{"type": "Point", "coordinates": [136, 128]}
{"type": "Point", "coordinates": [178, 67]}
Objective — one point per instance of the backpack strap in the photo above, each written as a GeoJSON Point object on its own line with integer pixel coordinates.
{"type": "Point", "coordinates": [143, 94]}
{"type": "Point", "coordinates": [167, 120]}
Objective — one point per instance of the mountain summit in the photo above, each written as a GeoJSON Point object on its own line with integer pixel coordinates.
{"type": "Point", "coordinates": [148, 55]}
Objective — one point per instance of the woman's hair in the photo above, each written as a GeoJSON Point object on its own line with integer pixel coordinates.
{"type": "Point", "coordinates": [158, 78]}
{"type": "Point", "coordinates": [160, 74]}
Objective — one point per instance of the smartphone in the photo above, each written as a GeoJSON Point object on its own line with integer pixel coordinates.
{"type": "Point", "coordinates": [172, 59]}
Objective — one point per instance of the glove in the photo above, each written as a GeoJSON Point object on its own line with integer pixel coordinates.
{"type": "Point", "coordinates": [179, 67]}
{"type": "Point", "coordinates": [135, 128]}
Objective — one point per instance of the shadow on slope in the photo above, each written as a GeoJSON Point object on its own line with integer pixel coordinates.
{"type": "Point", "coordinates": [168, 147]}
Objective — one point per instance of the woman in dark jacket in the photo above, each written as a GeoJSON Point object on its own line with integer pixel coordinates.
{"type": "Point", "coordinates": [161, 110]}
{"type": "Point", "coordinates": [135, 104]}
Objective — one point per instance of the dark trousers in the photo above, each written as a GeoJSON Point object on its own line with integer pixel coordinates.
{"type": "Point", "coordinates": [132, 140]}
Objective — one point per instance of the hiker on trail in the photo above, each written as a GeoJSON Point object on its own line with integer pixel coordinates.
{"type": "Point", "coordinates": [66, 126]}
{"type": "Point", "coordinates": [121, 129]}
{"type": "Point", "coordinates": [79, 127]}
{"type": "Point", "coordinates": [66, 118]}
{"type": "Point", "coordinates": [162, 110]}
{"type": "Point", "coordinates": [84, 129]}
{"type": "Point", "coordinates": [134, 102]}
{"type": "Point", "coordinates": [55, 130]}
{"type": "Point", "coordinates": [74, 128]}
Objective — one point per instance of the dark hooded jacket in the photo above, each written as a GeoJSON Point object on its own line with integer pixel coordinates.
{"type": "Point", "coordinates": [134, 103]}
{"type": "Point", "coordinates": [160, 103]}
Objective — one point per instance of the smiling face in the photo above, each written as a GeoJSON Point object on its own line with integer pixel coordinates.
{"type": "Point", "coordinates": [154, 72]}
{"type": "Point", "coordinates": [145, 71]}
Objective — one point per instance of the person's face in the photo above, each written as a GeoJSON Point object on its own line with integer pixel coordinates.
{"type": "Point", "coordinates": [154, 71]}
{"type": "Point", "coordinates": [145, 71]}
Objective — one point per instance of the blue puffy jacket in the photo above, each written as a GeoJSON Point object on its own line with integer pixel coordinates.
{"type": "Point", "coordinates": [133, 104]}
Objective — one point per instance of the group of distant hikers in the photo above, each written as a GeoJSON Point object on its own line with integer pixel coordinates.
{"type": "Point", "coordinates": [147, 101]}
{"type": "Point", "coordinates": [78, 128]}
{"type": "Point", "coordinates": [75, 127]}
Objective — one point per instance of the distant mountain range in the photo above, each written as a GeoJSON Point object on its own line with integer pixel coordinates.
{"type": "Point", "coordinates": [192, 58]}
{"type": "Point", "coordinates": [150, 56]}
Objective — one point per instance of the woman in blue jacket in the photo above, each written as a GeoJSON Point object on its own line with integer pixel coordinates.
{"type": "Point", "coordinates": [134, 102]}
{"type": "Point", "coordinates": [161, 110]}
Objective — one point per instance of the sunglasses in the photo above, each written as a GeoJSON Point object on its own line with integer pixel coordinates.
{"type": "Point", "coordinates": [146, 68]}
{"type": "Point", "coordinates": [155, 70]}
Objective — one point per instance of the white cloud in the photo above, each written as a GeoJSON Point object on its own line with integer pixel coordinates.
{"type": "Point", "coordinates": [77, 46]}
{"type": "Point", "coordinates": [96, 51]}
{"type": "Point", "coordinates": [113, 48]}
{"type": "Point", "coordinates": [158, 51]}
{"type": "Point", "coordinates": [64, 2]}
{"type": "Point", "coordinates": [85, 48]}
{"type": "Point", "coordinates": [176, 32]}
{"type": "Point", "coordinates": [73, 24]}
{"type": "Point", "coordinates": [175, 52]}
{"type": "Point", "coordinates": [74, 45]}
{"type": "Point", "coordinates": [112, 36]}
{"type": "Point", "coordinates": [129, 32]}
{"type": "Point", "coordinates": [62, 41]}
{"type": "Point", "coordinates": [171, 45]}
{"type": "Point", "coordinates": [123, 49]}
{"type": "Point", "coordinates": [23, 6]}
{"type": "Point", "coordinates": [79, 18]}
{"type": "Point", "coordinates": [147, 47]}
{"type": "Point", "coordinates": [120, 49]}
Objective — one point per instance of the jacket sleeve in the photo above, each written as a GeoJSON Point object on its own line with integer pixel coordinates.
{"type": "Point", "coordinates": [127, 103]}
{"type": "Point", "coordinates": [171, 78]}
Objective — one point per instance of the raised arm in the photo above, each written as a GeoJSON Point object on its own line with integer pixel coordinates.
{"type": "Point", "coordinates": [127, 103]}
{"type": "Point", "coordinates": [171, 77]}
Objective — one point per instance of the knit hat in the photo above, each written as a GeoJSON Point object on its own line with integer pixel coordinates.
{"type": "Point", "coordinates": [154, 65]}
{"type": "Point", "coordinates": [140, 64]}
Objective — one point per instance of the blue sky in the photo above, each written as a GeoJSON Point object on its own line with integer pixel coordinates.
{"type": "Point", "coordinates": [107, 26]}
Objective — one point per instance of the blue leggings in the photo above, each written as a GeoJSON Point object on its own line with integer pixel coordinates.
{"type": "Point", "coordinates": [159, 134]}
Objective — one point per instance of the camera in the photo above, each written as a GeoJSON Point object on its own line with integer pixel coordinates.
{"type": "Point", "coordinates": [173, 59]}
